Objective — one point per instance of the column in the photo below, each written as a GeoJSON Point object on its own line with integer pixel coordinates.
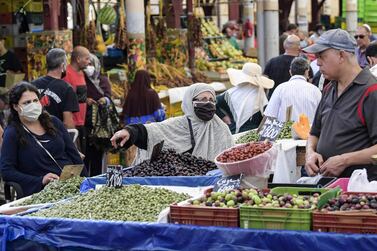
{"type": "Point", "coordinates": [271, 28]}
{"type": "Point", "coordinates": [260, 33]}
{"type": "Point", "coordinates": [351, 16]}
{"type": "Point", "coordinates": [302, 15]}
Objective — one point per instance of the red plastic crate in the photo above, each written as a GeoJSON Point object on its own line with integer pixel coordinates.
{"type": "Point", "coordinates": [204, 216]}
{"type": "Point", "coordinates": [364, 223]}
{"type": "Point", "coordinates": [341, 182]}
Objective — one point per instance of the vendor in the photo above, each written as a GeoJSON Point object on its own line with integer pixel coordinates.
{"type": "Point", "coordinates": [241, 106]}
{"type": "Point", "coordinates": [8, 62]}
{"type": "Point", "coordinates": [344, 132]}
{"type": "Point", "coordinates": [36, 145]}
{"type": "Point", "coordinates": [199, 131]}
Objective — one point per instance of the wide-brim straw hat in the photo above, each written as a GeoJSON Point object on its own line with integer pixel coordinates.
{"type": "Point", "coordinates": [250, 73]}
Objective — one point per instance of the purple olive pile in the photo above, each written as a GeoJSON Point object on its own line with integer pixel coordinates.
{"type": "Point", "coordinates": [351, 202]}
{"type": "Point", "coordinates": [170, 163]}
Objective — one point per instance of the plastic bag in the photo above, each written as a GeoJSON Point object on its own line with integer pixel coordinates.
{"type": "Point", "coordinates": [309, 180]}
{"type": "Point", "coordinates": [359, 182]}
{"type": "Point", "coordinates": [260, 165]}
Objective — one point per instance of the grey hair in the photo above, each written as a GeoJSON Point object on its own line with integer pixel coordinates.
{"type": "Point", "coordinates": [299, 65]}
{"type": "Point", "coordinates": [292, 41]}
{"type": "Point", "coordinates": [55, 58]}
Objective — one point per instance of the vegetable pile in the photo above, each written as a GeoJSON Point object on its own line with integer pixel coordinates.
{"type": "Point", "coordinates": [129, 203]}
{"type": "Point", "coordinates": [170, 163]}
{"type": "Point", "coordinates": [243, 152]}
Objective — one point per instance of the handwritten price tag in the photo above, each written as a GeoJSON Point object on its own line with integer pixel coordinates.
{"type": "Point", "coordinates": [228, 183]}
{"type": "Point", "coordinates": [114, 176]}
{"type": "Point", "coordinates": [271, 129]}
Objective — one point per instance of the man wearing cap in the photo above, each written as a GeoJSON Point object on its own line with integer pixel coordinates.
{"type": "Point", "coordinates": [8, 62]}
{"type": "Point", "coordinates": [362, 37]}
{"type": "Point", "coordinates": [303, 96]}
{"type": "Point", "coordinates": [241, 106]}
{"type": "Point", "coordinates": [343, 136]}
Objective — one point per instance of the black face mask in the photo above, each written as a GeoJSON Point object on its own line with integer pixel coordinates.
{"type": "Point", "coordinates": [204, 110]}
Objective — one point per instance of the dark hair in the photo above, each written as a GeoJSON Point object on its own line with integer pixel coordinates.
{"type": "Point", "coordinates": [291, 27]}
{"type": "Point", "coordinates": [14, 97]}
{"type": "Point", "coordinates": [299, 65]}
{"type": "Point", "coordinates": [371, 50]}
{"type": "Point", "coordinates": [318, 27]}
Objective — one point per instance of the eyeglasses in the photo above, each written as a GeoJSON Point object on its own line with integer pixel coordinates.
{"type": "Point", "coordinates": [359, 36]}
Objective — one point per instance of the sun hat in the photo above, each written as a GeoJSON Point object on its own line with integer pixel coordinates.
{"type": "Point", "coordinates": [250, 73]}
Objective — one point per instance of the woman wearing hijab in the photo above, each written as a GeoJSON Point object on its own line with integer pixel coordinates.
{"type": "Point", "coordinates": [142, 104]}
{"type": "Point", "coordinates": [99, 94]}
{"type": "Point", "coordinates": [241, 107]}
{"type": "Point", "coordinates": [199, 132]}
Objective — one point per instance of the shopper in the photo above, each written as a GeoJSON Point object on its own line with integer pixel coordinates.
{"type": "Point", "coordinates": [58, 97]}
{"type": "Point", "coordinates": [241, 107]}
{"type": "Point", "coordinates": [80, 59]}
{"type": "Point", "coordinates": [142, 104]}
{"type": "Point", "coordinates": [199, 131]}
{"type": "Point", "coordinates": [298, 93]}
{"type": "Point", "coordinates": [99, 106]}
{"type": "Point", "coordinates": [37, 145]}
{"type": "Point", "coordinates": [372, 37]}
{"type": "Point", "coordinates": [292, 29]}
{"type": "Point", "coordinates": [343, 135]}
{"type": "Point", "coordinates": [319, 29]}
{"type": "Point", "coordinates": [8, 62]}
{"type": "Point", "coordinates": [230, 30]}
{"type": "Point", "coordinates": [362, 37]}
{"type": "Point", "coordinates": [371, 55]}
{"type": "Point", "coordinates": [277, 68]}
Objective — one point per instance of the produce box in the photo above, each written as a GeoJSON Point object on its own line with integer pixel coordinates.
{"type": "Point", "coordinates": [341, 182]}
{"type": "Point", "coordinates": [280, 218]}
{"type": "Point", "coordinates": [354, 219]}
{"type": "Point", "coordinates": [204, 216]}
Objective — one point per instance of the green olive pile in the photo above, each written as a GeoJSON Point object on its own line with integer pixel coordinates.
{"type": "Point", "coordinates": [129, 203]}
{"type": "Point", "coordinates": [55, 191]}
{"type": "Point", "coordinates": [286, 132]}
{"type": "Point", "coordinates": [248, 137]}
{"type": "Point", "coordinates": [170, 163]}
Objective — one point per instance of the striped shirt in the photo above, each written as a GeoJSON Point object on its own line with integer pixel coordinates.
{"type": "Point", "coordinates": [304, 98]}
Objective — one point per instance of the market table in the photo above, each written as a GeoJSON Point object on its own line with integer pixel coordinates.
{"type": "Point", "coordinates": [26, 233]}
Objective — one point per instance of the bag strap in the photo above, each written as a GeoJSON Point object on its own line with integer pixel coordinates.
{"type": "Point", "coordinates": [191, 134]}
{"type": "Point", "coordinates": [40, 144]}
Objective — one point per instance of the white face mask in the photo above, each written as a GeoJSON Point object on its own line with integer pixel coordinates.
{"type": "Point", "coordinates": [89, 70]}
{"type": "Point", "coordinates": [31, 112]}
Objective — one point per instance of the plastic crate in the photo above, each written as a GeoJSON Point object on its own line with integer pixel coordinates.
{"type": "Point", "coordinates": [345, 223]}
{"type": "Point", "coordinates": [280, 218]}
{"type": "Point", "coordinates": [341, 182]}
{"type": "Point", "coordinates": [323, 182]}
{"type": "Point", "coordinates": [204, 216]}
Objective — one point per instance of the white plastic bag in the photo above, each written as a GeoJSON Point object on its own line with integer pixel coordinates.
{"type": "Point", "coordinates": [309, 180]}
{"type": "Point", "coordinates": [359, 182]}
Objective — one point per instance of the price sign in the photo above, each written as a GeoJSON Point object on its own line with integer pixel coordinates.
{"type": "Point", "coordinates": [228, 183]}
{"type": "Point", "coordinates": [114, 176]}
{"type": "Point", "coordinates": [270, 129]}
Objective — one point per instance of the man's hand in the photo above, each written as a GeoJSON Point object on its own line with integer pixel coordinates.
{"type": "Point", "coordinates": [49, 177]}
{"type": "Point", "coordinates": [334, 166]}
{"type": "Point", "coordinates": [90, 101]}
{"type": "Point", "coordinates": [227, 120]}
{"type": "Point", "coordinates": [313, 163]}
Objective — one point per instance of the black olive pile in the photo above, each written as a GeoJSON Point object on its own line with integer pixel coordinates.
{"type": "Point", "coordinates": [170, 163]}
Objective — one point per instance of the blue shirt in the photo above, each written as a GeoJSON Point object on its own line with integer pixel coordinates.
{"type": "Point", "coordinates": [157, 116]}
{"type": "Point", "coordinates": [27, 164]}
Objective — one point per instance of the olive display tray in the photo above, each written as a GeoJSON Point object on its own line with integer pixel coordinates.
{"type": "Point", "coordinates": [350, 222]}
{"type": "Point", "coordinates": [204, 216]}
{"type": "Point", "coordinates": [280, 218]}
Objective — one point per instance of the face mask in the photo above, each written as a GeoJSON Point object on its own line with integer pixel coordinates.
{"type": "Point", "coordinates": [31, 112]}
{"type": "Point", "coordinates": [303, 44]}
{"type": "Point", "coordinates": [204, 110]}
{"type": "Point", "coordinates": [320, 32]}
{"type": "Point", "coordinates": [89, 70]}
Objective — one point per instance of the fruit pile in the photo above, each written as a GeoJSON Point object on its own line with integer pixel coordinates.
{"type": "Point", "coordinates": [129, 203]}
{"type": "Point", "coordinates": [203, 64]}
{"type": "Point", "coordinates": [248, 137]}
{"type": "Point", "coordinates": [170, 163]}
{"type": "Point", "coordinates": [220, 48]}
{"type": "Point", "coordinates": [209, 28]}
{"type": "Point", "coordinates": [243, 152]}
{"type": "Point", "coordinates": [55, 191]}
{"type": "Point", "coordinates": [251, 197]}
{"type": "Point", "coordinates": [286, 132]}
{"type": "Point", "coordinates": [351, 202]}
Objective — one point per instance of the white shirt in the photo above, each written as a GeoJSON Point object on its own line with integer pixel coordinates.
{"type": "Point", "coordinates": [304, 98]}
{"type": "Point", "coordinates": [314, 66]}
{"type": "Point", "coordinates": [373, 70]}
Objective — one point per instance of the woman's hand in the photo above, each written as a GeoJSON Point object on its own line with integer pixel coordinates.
{"type": "Point", "coordinates": [49, 177]}
{"type": "Point", "coordinates": [123, 134]}
{"type": "Point", "coordinates": [90, 101]}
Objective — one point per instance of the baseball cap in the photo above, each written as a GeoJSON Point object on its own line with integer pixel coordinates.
{"type": "Point", "coordinates": [336, 39]}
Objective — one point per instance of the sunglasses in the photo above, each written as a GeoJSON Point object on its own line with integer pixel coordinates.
{"type": "Point", "coordinates": [359, 36]}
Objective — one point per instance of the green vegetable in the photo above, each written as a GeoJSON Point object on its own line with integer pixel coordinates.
{"type": "Point", "coordinates": [129, 203]}
{"type": "Point", "coordinates": [55, 191]}
{"type": "Point", "coordinates": [248, 137]}
{"type": "Point", "coordinates": [286, 132]}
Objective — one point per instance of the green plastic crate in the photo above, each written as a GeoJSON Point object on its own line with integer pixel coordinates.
{"type": "Point", "coordinates": [280, 218]}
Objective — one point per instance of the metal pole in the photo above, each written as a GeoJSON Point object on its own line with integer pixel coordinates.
{"type": "Point", "coordinates": [302, 15]}
{"type": "Point", "coordinates": [271, 27]}
{"type": "Point", "coordinates": [248, 16]}
{"type": "Point", "coordinates": [260, 33]}
{"type": "Point", "coordinates": [191, 49]}
{"type": "Point", "coordinates": [351, 16]}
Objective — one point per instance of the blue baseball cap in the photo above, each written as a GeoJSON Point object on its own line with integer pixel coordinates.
{"type": "Point", "coordinates": [336, 39]}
